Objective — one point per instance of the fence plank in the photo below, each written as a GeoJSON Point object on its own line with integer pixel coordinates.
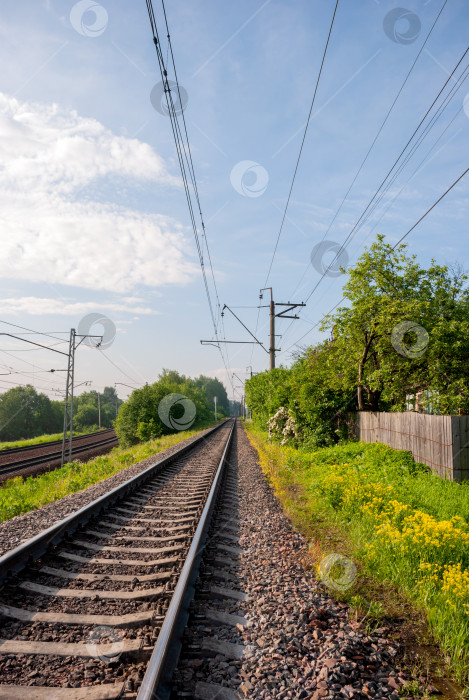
{"type": "Point", "coordinates": [441, 442]}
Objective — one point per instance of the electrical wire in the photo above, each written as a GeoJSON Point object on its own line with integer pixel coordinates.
{"type": "Point", "coordinates": [302, 144]}
{"type": "Point", "coordinates": [184, 154]}
{"type": "Point", "coordinates": [297, 163]}
{"type": "Point", "coordinates": [388, 181]}
{"type": "Point", "coordinates": [106, 357]}
{"type": "Point", "coordinates": [35, 332]}
{"type": "Point", "coordinates": [438, 114]}
{"type": "Point", "coordinates": [353, 230]}
{"type": "Point", "coordinates": [394, 247]}
{"type": "Point", "coordinates": [383, 124]}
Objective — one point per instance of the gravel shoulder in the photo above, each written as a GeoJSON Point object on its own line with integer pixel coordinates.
{"type": "Point", "coordinates": [22, 527]}
{"type": "Point", "coordinates": [299, 641]}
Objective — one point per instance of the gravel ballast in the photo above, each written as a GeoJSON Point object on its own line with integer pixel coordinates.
{"type": "Point", "coordinates": [299, 642]}
{"type": "Point", "coordinates": [22, 527]}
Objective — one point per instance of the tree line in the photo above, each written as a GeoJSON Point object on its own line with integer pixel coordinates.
{"type": "Point", "coordinates": [174, 402]}
{"type": "Point", "coordinates": [400, 342]}
{"type": "Point", "coordinates": [26, 413]}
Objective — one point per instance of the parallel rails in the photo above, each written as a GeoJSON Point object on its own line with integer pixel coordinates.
{"type": "Point", "coordinates": [164, 657]}
{"type": "Point", "coordinates": [53, 443]}
{"type": "Point", "coordinates": [201, 498]}
{"type": "Point", "coordinates": [53, 458]}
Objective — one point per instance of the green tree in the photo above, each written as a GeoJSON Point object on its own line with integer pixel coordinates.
{"type": "Point", "coordinates": [139, 418]}
{"type": "Point", "coordinates": [214, 387]}
{"type": "Point", "coordinates": [24, 413]}
{"type": "Point", "coordinates": [405, 329]}
{"type": "Point", "coordinates": [385, 290]}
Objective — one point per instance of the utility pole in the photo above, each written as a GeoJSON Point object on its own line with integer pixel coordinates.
{"type": "Point", "coordinates": [215, 399]}
{"type": "Point", "coordinates": [68, 407]}
{"type": "Point", "coordinates": [272, 333]}
{"type": "Point", "coordinates": [99, 411]}
{"type": "Point", "coordinates": [273, 315]}
{"type": "Point", "coordinates": [272, 349]}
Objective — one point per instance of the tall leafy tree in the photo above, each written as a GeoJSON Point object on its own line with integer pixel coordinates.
{"type": "Point", "coordinates": [25, 413]}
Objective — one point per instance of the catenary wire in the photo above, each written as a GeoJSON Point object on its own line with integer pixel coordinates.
{"type": "Point", "coordinates": [383, 124]}
{"type": "Point", "coordinates": [354, 228]}
{"type": "Point", "coordinates": [185, 157]}
{"type": "Point", "coordinates": [297, 163]}
{"type": "Point", "coordinates": [394, 247]}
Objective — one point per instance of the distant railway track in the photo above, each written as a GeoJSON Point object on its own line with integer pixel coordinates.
{"type": "Point", "coordinates": [91, 609]}
{"type": "Point", "coordinates": [19, 459]}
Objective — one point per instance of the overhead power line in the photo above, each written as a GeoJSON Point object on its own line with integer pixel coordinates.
{"type": "Point", "coordinates": [184, 154]}
{"type": "Point", "coordinates": [383, 124]}
{"type": "Point", "coordinates": [298, 161]}
{"type": "Point", "coordinates": [302, 144]}
{"type": "Point", "coordinates": [32, 331]}
{"type": "Point", "coordinates": [394, 247]}
{"type": "Point", "coordinates": [390, 171]}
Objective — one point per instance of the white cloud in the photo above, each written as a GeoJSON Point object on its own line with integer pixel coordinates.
{"type": "Point", "coordinates": [37, 306]}
{"type": "Point", "coordinates": [49, 156]}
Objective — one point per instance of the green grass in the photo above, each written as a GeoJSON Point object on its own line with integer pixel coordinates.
{"type": "Point", "coordinates": [37, 440]}
{"type": "Point", "coordinates": [18, 496]}
{"type": "Point", "coordinates": [403, 526]}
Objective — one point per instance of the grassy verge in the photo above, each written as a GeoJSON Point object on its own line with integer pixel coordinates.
{"type": "Point", "coordinates": [37, 440]}
{"type": "Point", "coordinates": [18, 496]}
{"type": "Point", "coordinates": [405, 528]}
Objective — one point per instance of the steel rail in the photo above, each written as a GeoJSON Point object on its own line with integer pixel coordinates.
{"type": "Point", "coordinates": [39, 445]}
{"type": "Point", "coordinates": [18, 558]}
{"type": "Point", "coordinates": [166, 651]}
{"type": "Point", "coordinates": [47, 459]}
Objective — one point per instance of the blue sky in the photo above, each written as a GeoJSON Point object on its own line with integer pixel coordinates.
{"type": "Point", "coordinates": [94, 219]}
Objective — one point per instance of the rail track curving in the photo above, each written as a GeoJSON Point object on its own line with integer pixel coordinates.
{"type": "Point", "coordinates": [94, 607]}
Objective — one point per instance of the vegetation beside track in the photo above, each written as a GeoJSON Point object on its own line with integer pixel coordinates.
{"type": "Point", "coordinates": [39, 440]}
{"type": "Point", "coordinates": [18, 496]}
{"type": "Point", "coordinates": [403, 527]}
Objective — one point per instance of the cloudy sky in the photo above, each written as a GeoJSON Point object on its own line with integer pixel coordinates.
{"type": "Point", "coordinates": [94, 222]}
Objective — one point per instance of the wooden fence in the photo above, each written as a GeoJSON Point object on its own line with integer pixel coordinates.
{"type": "Point", "coordinates": [441, 442]}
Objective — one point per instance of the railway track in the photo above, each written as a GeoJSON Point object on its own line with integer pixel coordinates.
{"type": "Point", "coordinates": [94, 607]}
{"type": "Point", "coordinates": [19, 459]}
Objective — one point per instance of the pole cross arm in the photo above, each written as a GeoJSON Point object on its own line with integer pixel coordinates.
{"type": "Point", "coordinates": [246, 342]}
{"type": "Point", "coordinates": [283, 314]}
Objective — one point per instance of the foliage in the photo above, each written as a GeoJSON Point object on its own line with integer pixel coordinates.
{"type": "Point", "coordinates": [385, 288]}
{"type": "Point", "coordinates": [318, 411]}
{"type": "Point", "coordinates": [24, 413]}
{"type": "Point", "coordinates": [282, 426]}
{"type": "Point", "coordinates": [401, 520]}
{"type": "Point", "coordinates": [365, 364]}
{"type": "Point", "coordinates": [86, 408]}
{"type": "Point", "coordinates": [213, 387]}
{"type": "Point", "coordinates": [138, 419]}
{"type": "Point", "coordinates": [35, 441]}
{"type": "Point", "coordinates": [20, 496]}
